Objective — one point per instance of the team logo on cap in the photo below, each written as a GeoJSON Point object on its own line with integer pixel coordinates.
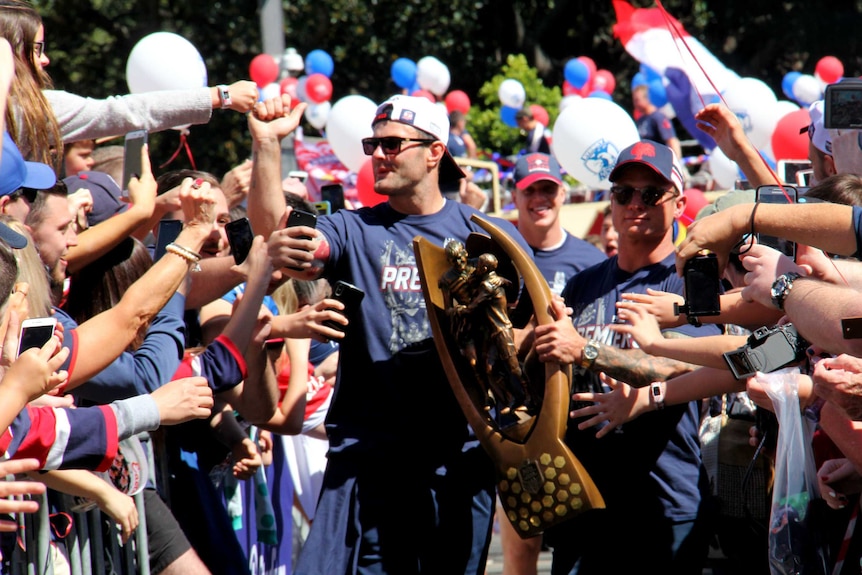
{"type": "Point", "coordinates": [642, 149]}
{"type": "Point", "coordinates": [600, 158]}
{"type": "Point", "coordinates": [538, 163]}
{"type": "Point", "coordinates": [407, 117]}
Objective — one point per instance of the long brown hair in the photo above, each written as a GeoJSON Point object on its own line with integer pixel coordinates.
{"type": "Point", "coordinates": [30, 119]}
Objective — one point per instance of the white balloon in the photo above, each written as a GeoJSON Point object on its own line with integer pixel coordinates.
{"type": "Point", "coordinates": [723, 169]}
{"type": "Point", "coordinates": [807, 90]}
{"type": "Point", "coordinates": [753, 102]}
{"type": "Point", "coordinates": [270, 91]}
{"type": "Point", "coordinates": [317, 114]}
{"type": "Point", "coordinates": [567, 100]}
{"type": "Point", "coordinates": [164, 61]}
{"type": "Point", "coordinates": [588, 136]}
{"type": "Point", "coordinates": [433, 75]}
{"type": "Point", "coordinates": [511, 93]}
{"type": "Point", "coordinates": [348, 122]}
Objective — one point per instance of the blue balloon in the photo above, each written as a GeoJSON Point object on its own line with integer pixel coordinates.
{"type": "Point", "coordinates": [403, 72]}
{"type": "Point", "coordinates": [787, 84]}
{"type": "Point", "coordinates": [649, 73]}
{"type": "Point", "coordinates": [639, 79]}
{"type": "Point", "coordinates": [600, 94]}
{"type": "Point", "coordinates": [319, 62]}
{"type": "Point", "coordinates": [576, 73]}
{"type": "Point", "coordinates": [657, 93]}
{"type": "Point", "coordinates": [507, 114]}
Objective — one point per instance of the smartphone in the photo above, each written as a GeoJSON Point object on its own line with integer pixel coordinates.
{"type": "Point", "coordinates": [842, 103]}
{"type": "Point", "coordinates": [240, 238]}
{"type": "Point", "coordinates": [168, 232]}
{"type": "Point", "coordinates": [702, 286]}
{"type": "Point", "coordinates": [334, 194]}
{"type": "Point", "coordinates": [803, 178]}
{"type": "Point", "coordinates": [301, 218]}
{"type": "Point", "coordinates": [787, 170]}
{"type": "Point", "coordinates": [36, 332]}
{"type": "Point", "coordinates": [323, 208]}
{"type": "Point", "coordinates": [300, 175]}
{"type": "Point", "coordinates": [351, 296]}
{"type": "Point", "coordinates": [132, 147]}
{"type": "Point", "coordinates": [777, 195]}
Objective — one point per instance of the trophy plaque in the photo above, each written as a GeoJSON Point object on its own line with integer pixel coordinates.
{"type": "Point", "coordinates": [518, 409]}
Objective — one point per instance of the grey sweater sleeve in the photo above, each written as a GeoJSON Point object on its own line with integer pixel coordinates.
{"type": "Point", "coordinates": [88, 118]}
{"type": "Point", "coordinates": [135, 415]}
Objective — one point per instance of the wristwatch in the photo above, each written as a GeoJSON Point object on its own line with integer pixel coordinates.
{"type": "Point", "coordinates": [590, 353]}
{"type": "Point", "coordinates": [781, 287]}
{"type": "Point", "coordinates": [224, 96]}
{"type": "Point", "coordinates": [656, 393]}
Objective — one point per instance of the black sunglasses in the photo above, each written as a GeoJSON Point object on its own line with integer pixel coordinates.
{"type": "Point", "coordinates": [650, 195]}
{"type": "Point", "coordinates": [390, 145]}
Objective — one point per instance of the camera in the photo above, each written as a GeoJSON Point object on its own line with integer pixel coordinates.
{"type": "Point", "coordinates": [843, 105]}
{"type": "Point", "coordinates": [702, 288]}
{"type": "Point", "coordinates": [768, 349]}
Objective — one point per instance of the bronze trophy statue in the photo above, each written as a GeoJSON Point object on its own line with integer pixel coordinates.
{"type": "Point", "coordinates": [518, 410]}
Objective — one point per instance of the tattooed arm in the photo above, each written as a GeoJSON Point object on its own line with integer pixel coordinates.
{"type": "Point", "coordinates": [638, 368]}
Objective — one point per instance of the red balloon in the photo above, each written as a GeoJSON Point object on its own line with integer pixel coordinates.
{"type": "Point", "coordinates": [540, 114]}
{"type": "Point", "coordinates": [695, 201]}
{"type": "Point", "coordinates": [569, 90]}
{"type": "Point", "coordinates": [263, 70]}
{"type": "Point", "coordinates": [605, 81]}
{"type": "Point", "coordinates": [288, 86]}
{"type": "Point", "coordinates": [829, 69]}
{"type": "Point", "coordinates": [424, 94]}
{"type": "Point", "coordinates": [787, 142]}
{"type": "Point", "coordinates": [457, 100]}
{"type": "Point", "coordinates": [591, 66]}
{"type": "Point", "coordinates": [365, 186]}
{"type": "Point", "coordinates": [318, 88]}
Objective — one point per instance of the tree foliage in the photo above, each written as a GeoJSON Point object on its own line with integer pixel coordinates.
{"type": "Point", "coordinates": [89, 41]}
{"type": "Point", "coordinates": [484, 119]}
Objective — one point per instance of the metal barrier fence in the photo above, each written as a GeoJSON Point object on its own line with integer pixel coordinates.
{"type": "Point", "coordinates": [86, 549]}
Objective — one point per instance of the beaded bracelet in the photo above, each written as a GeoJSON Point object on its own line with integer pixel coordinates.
{"type": "Point", "coordinates": [193, 258]}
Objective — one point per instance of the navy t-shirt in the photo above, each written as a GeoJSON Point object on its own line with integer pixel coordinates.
{"type": "Point", "coordinates": [559, 264]}
{"type": "Point", "coordinates": [391, 389]}
{"type": "Point", "coordinates": [656, 127]}
{"type": "Point", "coordinates": [655, 457]}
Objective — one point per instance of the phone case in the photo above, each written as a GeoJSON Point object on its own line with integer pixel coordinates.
{"type": "Point", "coordinates": [240, 238]}
{"type": "Point", "coordinates": [132, 155]}
{"type": "Point", "coordinates": [351, 296]}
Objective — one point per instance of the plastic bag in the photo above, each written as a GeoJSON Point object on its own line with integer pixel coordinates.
{"type": "Point", "coordinates": [794, 541]}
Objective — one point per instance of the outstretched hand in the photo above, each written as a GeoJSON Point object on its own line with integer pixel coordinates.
{"type": "Point", "coordinates": [623, 403]}
{"type": "Point", "coordinates": [184, 399]}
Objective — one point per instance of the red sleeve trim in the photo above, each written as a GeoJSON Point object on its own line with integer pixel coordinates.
{"type": "Point", "coordinates": [235, 352]}
{"type": "Point", "coordinates": [111, 439]}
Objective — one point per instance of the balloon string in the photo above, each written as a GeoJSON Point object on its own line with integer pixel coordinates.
{"type": "Point", "coordinates": [184, 143]}
{"type": "Point", "coordinates": [675, 32]}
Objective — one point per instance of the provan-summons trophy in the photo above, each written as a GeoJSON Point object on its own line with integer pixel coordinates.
{"type": "Point", "coordinates": [518, 409]}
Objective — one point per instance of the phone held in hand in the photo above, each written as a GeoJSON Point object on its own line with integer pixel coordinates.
{"type": "Point", "coordinates": [240, 238]}
{"type": "Point", "coordinates": [132, 164]}
{"type": "Point", "coordinates": [334, 194]}
{"type": "Point", "coordinates": [168, 232]}
{"type": "Point", "coordinates": [351, 296]}
{"type": "Point", "coordinates": [777, 195]}
{"type": "Point", "coordinates": [35, 332]}
{"type": "Point", "coordinates": [301, 218]}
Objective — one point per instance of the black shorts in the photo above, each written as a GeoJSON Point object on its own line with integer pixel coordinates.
{"type": "Point", "coordinates": [165, 538]}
